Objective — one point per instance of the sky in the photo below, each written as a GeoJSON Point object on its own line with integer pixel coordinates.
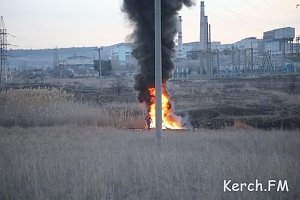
{"type": "Point", "coordinates": [38, 24]}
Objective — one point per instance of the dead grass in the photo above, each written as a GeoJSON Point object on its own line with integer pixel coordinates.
{"type": "Point", "coordinates": [64, 154]}
{"type": "Point", "coordinates": [72, 162]}
{"type": "Point", "coordinates": [241, 125]}
{"type": "Point", "coordinates": [86, 82]}
{"type": "Point", "coordinates": [293, 100]}
{"type": "Point", "coordinates": [47, 107]}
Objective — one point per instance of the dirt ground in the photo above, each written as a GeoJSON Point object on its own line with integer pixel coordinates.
{"type": "Point", "coordinates": [265, 103]}
{"type": "Point", "coordinates": [271, 103]}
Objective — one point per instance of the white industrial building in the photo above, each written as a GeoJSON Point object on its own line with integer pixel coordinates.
{"type": "Point", "coordinates": [188, 47]}
{"type": "Point", "coordinates": [276, 41]}
{"type": "Point", "coordinates": [247, 43]}
{"type": "Point", "coordinates": [279, 41]}
{"type": "Point", "coordinates": [119, 52]}
{"type": "Point", "coordinates": [122, 52]}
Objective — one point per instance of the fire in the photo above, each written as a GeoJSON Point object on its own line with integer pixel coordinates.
{"type": "Point", "coordinates": [169, 119]}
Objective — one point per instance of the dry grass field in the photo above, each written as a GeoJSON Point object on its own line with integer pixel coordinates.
{"type": "Point", "coordinates": [75, 162]}
{"type": "Point", "coordinates": [265, 103]}
{"type": "Point", "coordinates": [74, 142]}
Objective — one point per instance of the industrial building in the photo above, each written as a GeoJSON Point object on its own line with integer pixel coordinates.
{"type": "Point", "coordinates": [246, 54]}
{"type": "Point", "coordinates": [272, 53]}
{"type": "Point", "coordinates": [122, 53]}
{"type": "Point", "coordinates": [76, 66]}
{"type": "Point", "coordinates": [274, 50]}
{"type": "Point", "coordinates": [279, 40]}
{"type": "Point", "coordinates": [119, 52]}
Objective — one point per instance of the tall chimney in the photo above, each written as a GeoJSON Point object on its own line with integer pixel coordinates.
{"type": "Point", "coordinates": [202, 11]}
{"type": "Point", "coordinates": [180, 46]}
{"type": "Point", "coordinates": [203, 28]}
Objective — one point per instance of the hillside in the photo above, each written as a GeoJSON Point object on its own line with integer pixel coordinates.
{"type": "Point", "coordinates": [43, 58]}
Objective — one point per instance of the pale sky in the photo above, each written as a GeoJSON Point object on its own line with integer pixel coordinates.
{"type": "Point", "coordinates": [76, 23]}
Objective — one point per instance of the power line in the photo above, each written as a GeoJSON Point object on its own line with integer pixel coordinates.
{"type": "Point", "coordinates": [254, 7]}
{"type": "Point", "coordinates": [226, 20]}
{"type": "Point", "coordinates": [240, 17]}
{"type": "Point", "coordinates": [270, 6]}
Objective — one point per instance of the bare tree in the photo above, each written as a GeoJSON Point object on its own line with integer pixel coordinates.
{"type": "Point", "coordinates": [118, 84]}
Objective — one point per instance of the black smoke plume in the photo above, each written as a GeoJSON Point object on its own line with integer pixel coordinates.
{"type": "Point", "coordinates": [141, 14]}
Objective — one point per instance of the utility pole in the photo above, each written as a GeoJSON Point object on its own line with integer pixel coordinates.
{"type": "Point", "coordinates": [239, 59]}
{"type": "Point", "coordinates": [218, 62]}
{"type": "Point", "coordinates": [252, 62]}
{"type": "Point", "coordinates": [210, 54]}
{"type": "Point", "coordinates": [201, 57]}
{"type": "Point", "coordinates": [298, 45]}
{"type": "Point", "coordinates": [233, 59]}
{"type": "Point", "coordinates": [3, 48]}
{"type": "Point", "coordinates": [158, 70]}
{"type": "Point", "coordinates": [99, 56]}
{"type": "Point", "coordinates": [283, 53]}
{"type": "Point", "coordinates": [245, 62]}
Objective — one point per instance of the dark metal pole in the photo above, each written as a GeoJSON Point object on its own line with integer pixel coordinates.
{"type": "Point", "coordinates": [252, 60]}
{"type": "Point", "coordinates": [158, 70]}
{"type": "Point", "coordinates": [100, 66]}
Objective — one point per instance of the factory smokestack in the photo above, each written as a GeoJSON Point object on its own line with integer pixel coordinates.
{"type": "Point", "coordinates": [141, 14]}
{"type": "Point", "coordinates": [203, 28]}
{"type": "Point", "coordinates": [180, 47]}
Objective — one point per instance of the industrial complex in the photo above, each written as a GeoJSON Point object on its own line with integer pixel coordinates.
{"type": "Point", "coordinates": [276, 52]}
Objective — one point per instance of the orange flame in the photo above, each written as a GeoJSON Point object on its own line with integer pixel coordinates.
{"type": "Point", "coordinates": [169, 119]}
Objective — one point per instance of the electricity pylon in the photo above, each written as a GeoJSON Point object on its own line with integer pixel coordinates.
{"type": "Point", "coordinates": [3, 48]}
